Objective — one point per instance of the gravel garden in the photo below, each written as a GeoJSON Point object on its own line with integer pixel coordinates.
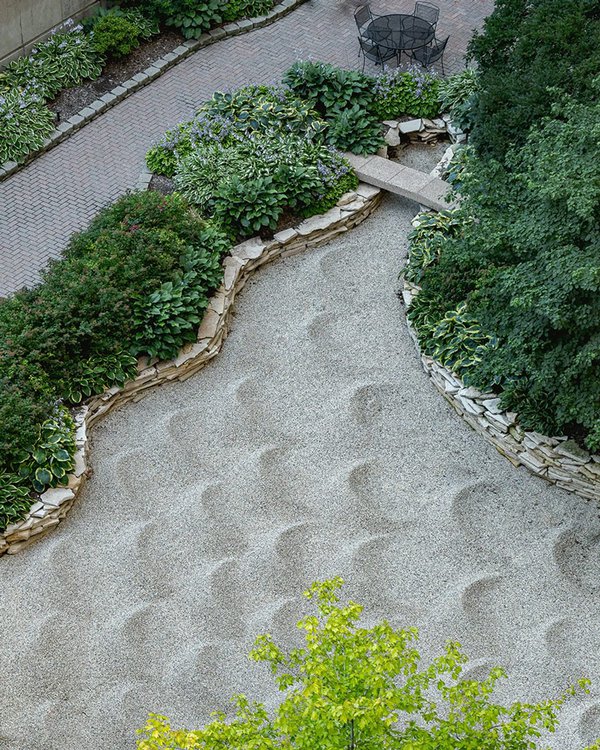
{"type": "Point", "coordinates": [296, 456]}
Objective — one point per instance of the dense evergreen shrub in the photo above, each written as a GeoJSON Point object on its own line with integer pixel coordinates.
{"type": "Point", "coordinates": [137, 281]}
{"type": "Point", "coordinates": [528, 270]}
{"type": "Point", "coordinates": [525, 47]}
{"type": "Point", "coordinates": [116, 32]}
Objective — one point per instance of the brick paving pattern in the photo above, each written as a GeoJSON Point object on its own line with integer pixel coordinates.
{"type": "Point", "coordinates": [59, 192]}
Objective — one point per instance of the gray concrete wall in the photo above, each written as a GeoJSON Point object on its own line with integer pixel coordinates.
{"type": "Point", "coordinates": [25, 22]}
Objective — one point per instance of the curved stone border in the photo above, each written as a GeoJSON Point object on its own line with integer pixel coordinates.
{"type": "Point", "coordinates": [244, 259]}
{"type": "Point", "coordinates": [556, 459]}
{"type": "Point", "coordinates": [139, 80]}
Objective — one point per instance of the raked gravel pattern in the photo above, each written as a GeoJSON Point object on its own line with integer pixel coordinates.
{"type": "Point", "coordinates": [313, 446]}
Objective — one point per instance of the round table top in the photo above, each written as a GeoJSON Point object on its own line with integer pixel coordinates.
{"type": "Point", "coordinates": [400, 31]}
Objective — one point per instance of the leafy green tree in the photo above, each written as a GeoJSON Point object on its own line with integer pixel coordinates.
{"type": "Point", "coordinates": [525, 47]}
{"type": "Point", "coordinates": [354, 688]}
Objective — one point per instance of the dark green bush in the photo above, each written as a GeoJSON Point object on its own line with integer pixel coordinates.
{"type": "Point", "coordinates": [329, 89]}
{"type": "Point", "coordinates": [524, 48]}
{"type": "Point", "coordinates": [82, 328]}
{"type": "Point", "coordinates": [355, 129]}
{"type": "Point", "coordinates": [193, 17]}
{"type": "Point", "coordinates": [528, 270]}
{"type": "Point", "coordinates": [115, 35]}
{"type": "Point", "coordinates": [190, 17]}
{"type": "Point", "coordinates": [246, 207]}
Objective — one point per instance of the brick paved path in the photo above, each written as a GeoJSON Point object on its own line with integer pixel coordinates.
{"type": "Point", "coordinates": [44, 203]}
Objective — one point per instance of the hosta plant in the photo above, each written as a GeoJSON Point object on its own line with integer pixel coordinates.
{"type": "Point", "coordinates": [456, 341]}
{"type": "Point", "coordinates": [355, 129]}
{"type": "Point", "coordinates": [193, 17]}
{"type": "Point", "coordinates": [412, 92]}
{"type": "Point", "coordinates": [97, 375]}
{"type": "Point", "coordinates": [329, 89]}
{"type": "Point", "coordinates": [61, 61]}
{"type": "Point", "coordinates": [25, 123]}
{"type": "Point", "coordinates": [169, 317]}
{"type": "Point", "coordinates": [457, 97]}
{"type": "Point", "coordinates": [235, 9]}
{"type": "Point", "coordinates": [52, 456]}
{"type": "Point", "coordinates": [250, 206]}
{"type": "Point", "coordinates": [15, 499]}
{"type": "Point", "coordinates": [431, 230]}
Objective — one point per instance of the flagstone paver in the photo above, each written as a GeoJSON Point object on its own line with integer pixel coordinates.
{"type": "Point", "coordinates": [59, 192]}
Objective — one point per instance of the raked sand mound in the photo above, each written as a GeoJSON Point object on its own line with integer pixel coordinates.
{"type": "Point", "coordinates": [312, 446]}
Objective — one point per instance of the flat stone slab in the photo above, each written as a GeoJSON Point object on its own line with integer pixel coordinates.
{"type": "Point", "coordinates": [396, 178]}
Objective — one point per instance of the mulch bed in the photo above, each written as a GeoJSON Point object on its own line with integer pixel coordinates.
{"type": "Point", "coordinates": [70, 101]}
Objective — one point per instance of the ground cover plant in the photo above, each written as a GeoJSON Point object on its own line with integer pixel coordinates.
{"type": "Point", "coordinates": [193, 17]}
{"type": "Point", "coordinates": [510, 297]}
{"type": "Point", "coordinates": [136, 282]}
{"type": "Point", "coordinates": [356, 688]}
{"type": "Point", "coordinates": [250, 155]}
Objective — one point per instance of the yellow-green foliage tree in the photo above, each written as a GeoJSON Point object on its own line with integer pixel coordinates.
{"type": "Point", "coordinates": [353, 688]}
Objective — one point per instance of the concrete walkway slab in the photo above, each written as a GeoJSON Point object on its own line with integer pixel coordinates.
{"type": "Point", "coordinates": [417, 186]}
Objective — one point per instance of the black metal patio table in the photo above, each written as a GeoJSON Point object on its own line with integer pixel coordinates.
{"type": "Point", "coordinates": [400, 31]}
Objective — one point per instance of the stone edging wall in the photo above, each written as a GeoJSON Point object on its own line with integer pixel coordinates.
{"type": "Point", "coordinates": [556, 459]}
{"type": "Point", "coordinates": [54, 504]}
{"type": "Point", "coordinates": [156, 69]}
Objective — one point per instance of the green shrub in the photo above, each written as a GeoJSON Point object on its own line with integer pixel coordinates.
{"type": "Point", "coordinates": [15, 499]}
{"type": "Point", "coordinates": [355, 129]}
{"type": "Point", "coordinates": [193, 17]}
{"type": "Point", "coordinates": [115, 35]}
{"type": "Point", "coordinates": [61, 61]}
{"type": "Point", "coordinates": [169, 317]}
{"type": "Point", "coordinates": [342, 184]}
{"type": "Point", "coordinates": [249, 206]}
{"type": "Point", "coordinates": [82, 328]}
{"type": "Point", "coordinates": [356, 688]}
{"type": "Point", "coordinates": [525, 48]}
{"type": "Point", "coordinates": [146, 26]}
{"type": "Point", "coordinates": [235, 9]}
{"type": "Point", "coordinates": [25, 124]}
{"type": "Point", "coordinates": [329, 89]}
{"type": "Point", "coordinates": [26, 396]}
{"type": "Point", "coordinates": [411, 92]}
{"type": "Point", "coordinates": [529, 273]}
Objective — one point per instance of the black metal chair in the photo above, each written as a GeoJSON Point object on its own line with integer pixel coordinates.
{"type": "Point", "coordinates": [380, 55]}
{"type": "Point", "coordinates": [428, 11]}
{"type": "Point", "coordinates": [430, 53]}
{"type": "Point", "coordinates": [363, 18]}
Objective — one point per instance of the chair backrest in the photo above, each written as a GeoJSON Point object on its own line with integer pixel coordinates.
{"type": "Point", "coordinates": [436, 49]}
{"type": "Point", "coordinates": [363, 17]}
{"type": "Point", "coordinates": [427, 11]}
